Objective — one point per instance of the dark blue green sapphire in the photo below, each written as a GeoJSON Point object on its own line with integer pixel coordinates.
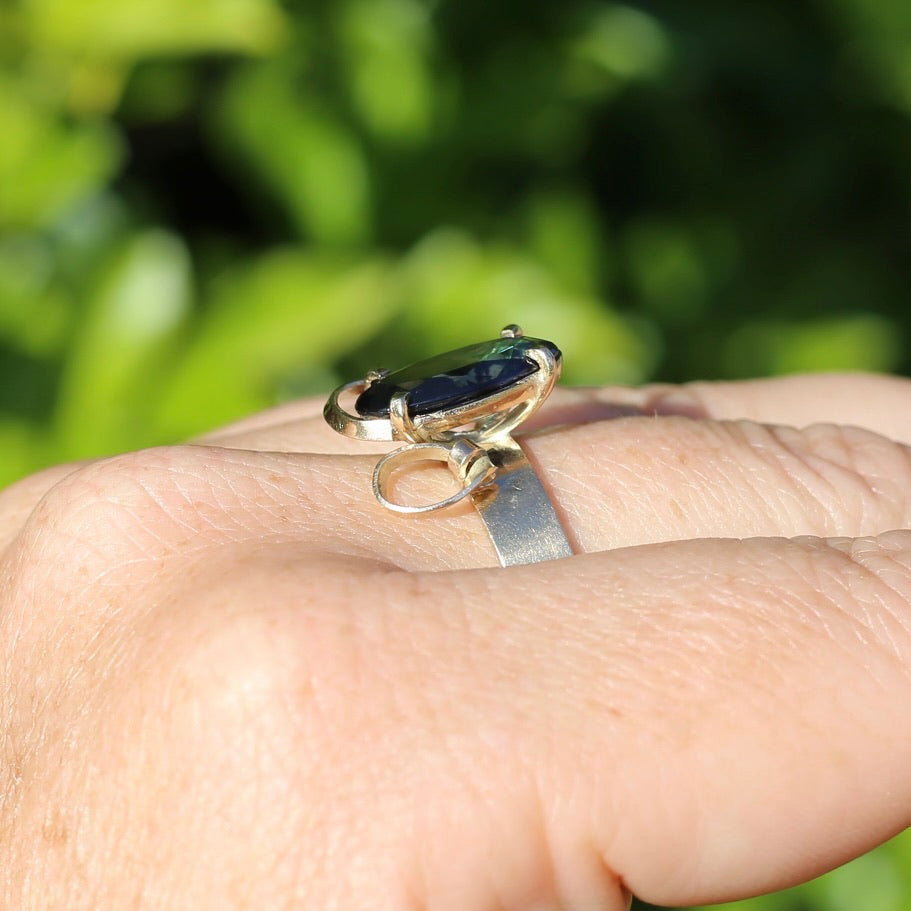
{"type": "Point", "coordinates": [455, 378]}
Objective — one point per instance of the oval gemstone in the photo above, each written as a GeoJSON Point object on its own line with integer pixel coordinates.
{"type": "Point", "coordinates": [455, 378]}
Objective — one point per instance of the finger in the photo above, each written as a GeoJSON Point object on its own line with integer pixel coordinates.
{"type": "Point", "coordinates": [641, 480]}
{"type": "Point", "coordinates": [293, 427]}
{"type": "Point", "coordinates": [701, 721]}
{"type": "Point", "coordinates": [615, 484]}
{"type": "Point", "coordinates": [872, 401]}
{"type": "Point", "coordinates": [19, 499]}
{"type": "Point", "coordinates": [876, 402]}
{"type": "Point", "coordinates": [697, 721]}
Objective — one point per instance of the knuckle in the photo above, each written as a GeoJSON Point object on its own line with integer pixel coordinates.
{"type": "Point", "coordinates": [859, 478]}
{"type": "Point", "coordinates": [113, 510]}
{"type": "Point", "coordinates": [676, 477]}
{"type": "Point", "coordinates": [267, 690]}
{"type": "Point", "coordinates": [233, 673]}
{"type": "Point", "coordinates": [265, 645]}
{"type": "Point", "coordinates": [876, 583]}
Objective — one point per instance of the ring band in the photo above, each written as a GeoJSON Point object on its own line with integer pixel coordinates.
{"type": "Point", "coordinates": [460, 409]}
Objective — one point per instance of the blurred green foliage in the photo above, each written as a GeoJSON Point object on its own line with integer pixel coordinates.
{"type": "Point", "coordinates": [208, 206]}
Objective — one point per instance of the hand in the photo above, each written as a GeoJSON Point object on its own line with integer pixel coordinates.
{"type": "Point", "coordinates": [230, 680]}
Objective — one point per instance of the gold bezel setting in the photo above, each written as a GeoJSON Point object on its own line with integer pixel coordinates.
{"type": "Point", "coordinates": [476, 420]}
{"type": "Point", "coordinates": [471, 437]}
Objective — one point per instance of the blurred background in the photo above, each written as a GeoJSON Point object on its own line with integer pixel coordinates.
{"type": "Point", "coordinates": [209, 206]}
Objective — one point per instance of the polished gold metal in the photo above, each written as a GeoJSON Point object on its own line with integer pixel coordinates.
{"type": "Point", "coordinates": [474, 440]}
{"type": "Point", "coordinates": [500, 412]}
{"type": "Point", "coordinates": [469, 463]}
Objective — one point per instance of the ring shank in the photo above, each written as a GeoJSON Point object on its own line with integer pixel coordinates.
{"type": "Point", "coordinates": [517, 512]}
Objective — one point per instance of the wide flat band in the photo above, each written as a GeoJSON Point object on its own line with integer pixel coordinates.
{"type": "Point", "coordinates": [517, 512]}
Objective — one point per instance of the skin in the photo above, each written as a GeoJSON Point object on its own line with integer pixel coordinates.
{"type": "Point", "coordinates": [231, 680]}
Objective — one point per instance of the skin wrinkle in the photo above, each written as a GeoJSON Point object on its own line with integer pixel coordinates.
{"type": "Point", "coordinates": [853, 455]}
{"type": "Point", "coordinates": [771, 443]}
{"type": "Point", "coordinates": [194, 522]}
{"type": "Point", "coordinates": [274, 487]}
{"type": "Point", "coordinates": [717, 491]}
{"type": "Point", "coordinates": [93, 522]}
{"type": "Point", "coordinates": [711, 493]}
{"type": "Point", "coordinates": [579, 872]}
{"type": "Point", "coordinates": [869, 633]}
{"type": "Point", "coordinates": [894, 603]}
{"type": "Point", "coordinates": [227, 495]}
{"type": "Point", "coordinates": [774, 501]}
{"type": "Point", "coordinates": [630, 477]}
{"type": "Point", "coordinates": [834, 577]}
{"type": "Point", "coordinates": [841, 447]}
{"type": "Point", "coordinates": [190, 506]}
{"type": "Point", "coordinates": [895, 493]}
{"type": "Point", "coordinates": [854, 612]}
{"type": "Point", "coordinates": [849, 492]}
{"type": "Point", "coordinates": [824, 480]}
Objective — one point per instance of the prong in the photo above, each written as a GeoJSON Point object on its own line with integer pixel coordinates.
{"type": "Point", "coordinates": [511, 331]}
{"type": "Point", "coordinates": [374, 375]}
{"type": "Point", "coordinates": [354, 425]}
{"type": "Point", "coordinates": [402, 426]}
{"type": "Point", "coordinates": [545, 360]}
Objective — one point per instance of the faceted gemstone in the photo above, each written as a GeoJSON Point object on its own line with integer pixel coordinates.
{"type": "Point", "coordinates": [455, 378]}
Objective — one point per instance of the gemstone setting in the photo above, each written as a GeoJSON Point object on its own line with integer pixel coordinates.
{"type": "Point", "coordinates": [456, 378]}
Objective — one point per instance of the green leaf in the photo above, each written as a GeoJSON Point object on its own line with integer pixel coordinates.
{"type": "Point", "coordinates": [313, 165]}
{"type": "Point", "coordinates": [113, 29]}
{"type": "Point", "coordinates": [386, 45]}
{"type": "Point", "coordinates": [23, 450]}
{"type": "Point", "coordinates": [565, 235]}
{"type": "Point", "coordinates": [862, 341]}
{"type": "Point", "coordinates": [287, 312]}
{"type": "Point", "coordinates": [113, 375]}
{"type": "Point", "coordinates": [457, 291]}
{"type": "Point", "coordinates": [668, 270]}
{"type": "Point", "coordinates": [46, 164]}
{"type": "Point", "coordinates": [619, 44]}
{"type": "Point", "coordinates": [35, 312]}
